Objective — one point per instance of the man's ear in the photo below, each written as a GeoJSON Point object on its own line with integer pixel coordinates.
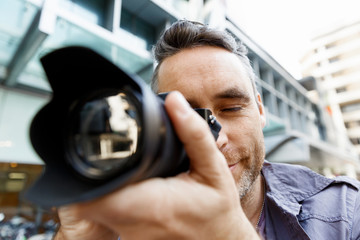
{"type": "Point", "coordinates": [261, 110]}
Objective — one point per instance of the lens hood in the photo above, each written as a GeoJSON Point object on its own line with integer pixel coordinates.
{"type": "Point", "coordinates": [76, 73]}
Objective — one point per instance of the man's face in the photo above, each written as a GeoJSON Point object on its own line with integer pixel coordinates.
{"type": "Point", "coordinates": [211, 77]}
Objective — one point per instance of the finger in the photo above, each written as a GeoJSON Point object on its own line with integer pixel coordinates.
{"type": "Point", "coordinates": [205, 158]}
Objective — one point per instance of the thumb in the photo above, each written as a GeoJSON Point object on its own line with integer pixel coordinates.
{"type": "Point", "coordinates": [206, 160]}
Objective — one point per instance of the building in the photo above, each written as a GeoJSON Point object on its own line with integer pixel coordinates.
{"type": "Point", "coordinates": [333, 59]}
{"type": "Point", "coordinates": [124, 31]}
{"type": "Point", "coordinates": [299, 129]}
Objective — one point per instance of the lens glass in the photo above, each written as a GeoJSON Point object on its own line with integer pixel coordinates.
{"type": "Point", "coordinates": [107, 134]}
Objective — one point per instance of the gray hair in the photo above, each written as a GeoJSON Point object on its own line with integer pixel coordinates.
{"type": "Point", "coordinates": [185, 34]}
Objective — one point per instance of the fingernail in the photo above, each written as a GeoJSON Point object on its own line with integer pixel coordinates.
{"type": "Point", "coordinates": [183, 107]}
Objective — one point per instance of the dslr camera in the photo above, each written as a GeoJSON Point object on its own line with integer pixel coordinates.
{"type": "Point", "coordinates": [102, 130]}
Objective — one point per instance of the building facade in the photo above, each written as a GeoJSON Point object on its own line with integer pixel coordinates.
{"type": "Point", "coordinates": [124, 31]}
{"type": "Point", "coordinates": [334, 60]}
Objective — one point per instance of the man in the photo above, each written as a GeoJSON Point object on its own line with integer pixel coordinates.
{"type": "Point", "coordinates": [229, 192]}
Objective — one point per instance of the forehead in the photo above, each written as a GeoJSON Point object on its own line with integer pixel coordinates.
{"type": "Point", "coordinates": [203, 72]}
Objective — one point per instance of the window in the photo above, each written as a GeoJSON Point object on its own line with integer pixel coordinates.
{"type": "Point", "coordinates": [266, 73]}
{"type": "Point", "coordinates": [334, 59]}
{"type": "Point", "coordinates": [282, 108]}
{"type": "Point", "coordinates": [130, 22]}
{"type": "Point", "coordinates": [341, 89]}
{"type": "Point", "coordinates": [15, 18]}
{"type": "Point", "coordinates": [330, 45]}
{"type": "Point", "coordinates": [351, 107]}
{"type": "Point", "coordinates": [92, 11]}
{"type": "Point", "coordinates": [337, 74]}
{"type": "Point", "coordinates": [352, 124]}
{"type": "Point", "coordinates": [355, 141]}
{"type": "Point", "coordinates": [279, 83]}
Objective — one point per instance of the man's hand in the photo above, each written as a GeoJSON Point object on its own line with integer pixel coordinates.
{"type": "Point", "coordinates": [202, 203]}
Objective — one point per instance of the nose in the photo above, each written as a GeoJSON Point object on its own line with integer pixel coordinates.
{"type": "Point", "coordinates": [222, 139]}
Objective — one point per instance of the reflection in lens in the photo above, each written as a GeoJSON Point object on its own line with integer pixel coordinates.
{"type": "Point", "coordinates": [108, 132]}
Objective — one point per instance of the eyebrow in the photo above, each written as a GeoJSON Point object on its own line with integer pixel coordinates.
{"type": "Point", "coordinates": [234, 93]}
{"type": "Point", "coordinates": [193, 104]}
{"type": "Point", "coordinates": [231, 93]}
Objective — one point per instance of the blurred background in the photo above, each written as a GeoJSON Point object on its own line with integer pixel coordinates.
{"type": "Point", "coordinates": [306, 56]}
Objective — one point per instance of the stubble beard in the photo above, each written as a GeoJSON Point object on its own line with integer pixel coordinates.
{"type": "Point", "coordinates": [246, 182]}
{"type": "Point", "coordinates": [251, 166]}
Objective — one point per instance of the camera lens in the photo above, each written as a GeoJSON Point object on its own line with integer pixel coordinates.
{"type": "Point", "coordinates": [104, 135]}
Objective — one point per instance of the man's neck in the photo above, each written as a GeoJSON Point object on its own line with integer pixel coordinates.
{"type": "Point", "coordinates": [253, 201]}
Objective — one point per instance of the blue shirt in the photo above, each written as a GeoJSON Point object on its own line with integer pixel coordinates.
{"type": "Point", "coordinates": [301, 204]}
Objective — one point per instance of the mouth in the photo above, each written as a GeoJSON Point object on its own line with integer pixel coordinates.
{"type": "Point", "coordinates": [232, 166]}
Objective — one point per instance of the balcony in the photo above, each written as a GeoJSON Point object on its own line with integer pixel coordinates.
{"type": "Point", "coordinates": [348, 97]}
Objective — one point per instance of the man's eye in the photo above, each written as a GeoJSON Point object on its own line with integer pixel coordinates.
{"type": "Point", "coordinates": [233, 109]}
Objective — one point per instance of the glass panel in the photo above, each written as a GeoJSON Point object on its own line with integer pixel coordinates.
{"type": "Point", "coordinates": [17, 110]}
{"type": "Point", "coordinates": [132, 23]}
{"type": "Point", "coordinates": [181, 6]}
{"type": "Point", "coordinates": [15, 18]}
{"type": "Point", "coordinates": [68, 34]}
{"type": "Point", "coordinates": [93, 11]}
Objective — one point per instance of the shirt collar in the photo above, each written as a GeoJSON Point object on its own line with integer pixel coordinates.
{"type": "Point", "coordinates": [289, 184]}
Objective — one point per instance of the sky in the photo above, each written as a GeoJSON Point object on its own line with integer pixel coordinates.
{"type": "Point", "coordinates": [284, 28]}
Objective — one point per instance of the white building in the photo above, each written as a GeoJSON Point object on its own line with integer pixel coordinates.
{"type": "Point", "coordinates": [334, 60]}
